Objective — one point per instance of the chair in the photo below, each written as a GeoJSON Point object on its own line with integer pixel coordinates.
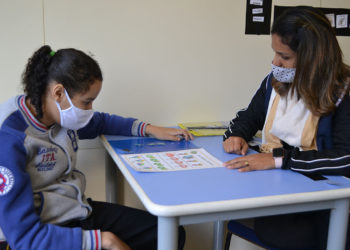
{"type": "Point", "coordinates": [240, 230]}
{"type": "Point", "coordinates": [4, 245]}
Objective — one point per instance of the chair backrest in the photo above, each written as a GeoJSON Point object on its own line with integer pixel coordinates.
{"type": "Point", "coordinates": [4, 245]}
{"type": "Point", "coordinates": [242, 231]}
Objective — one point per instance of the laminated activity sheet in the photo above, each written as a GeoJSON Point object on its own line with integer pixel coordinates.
{"type": "Point", "coordinates": [188, 159]}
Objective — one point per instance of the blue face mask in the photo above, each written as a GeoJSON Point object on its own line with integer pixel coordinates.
{"type": "Point", "coordinates": [283, 74]}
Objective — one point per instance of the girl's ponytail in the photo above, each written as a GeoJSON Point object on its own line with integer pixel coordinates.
{"type": "Point", "coordinates": [35, 77]}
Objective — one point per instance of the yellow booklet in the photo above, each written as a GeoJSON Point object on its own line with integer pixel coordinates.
{"type": "Point", "coordinates": [205, 128]}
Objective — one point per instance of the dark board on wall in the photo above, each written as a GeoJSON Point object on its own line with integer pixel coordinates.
{"type": "Point", "coordinates": [258, 17]}
{"type": "Point", "coordinates": [339, 18]}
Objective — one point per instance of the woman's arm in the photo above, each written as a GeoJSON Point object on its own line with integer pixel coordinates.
{"type": "Point", "coordinates": [251, 119]}
{"type": "Point", "coordinates": [335, 160]}
{"type": "Point", "coordinates": [246, 123]}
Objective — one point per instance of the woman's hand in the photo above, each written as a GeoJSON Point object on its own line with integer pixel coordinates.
{"type": "Point", "coordinates": [252, 162]}
{"type": "Point", "coordinates": [236, 145]}
{"type": "Point", "coordinates": [111, 242]}
{"type": "Point", "coordinates": [172, 134]}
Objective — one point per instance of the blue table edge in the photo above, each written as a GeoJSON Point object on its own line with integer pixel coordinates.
{"type": "Point", "coordinates": [221, 206]}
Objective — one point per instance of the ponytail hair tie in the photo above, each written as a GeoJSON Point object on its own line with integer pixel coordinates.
{"type": "Point", "coordinates": [52, 53]}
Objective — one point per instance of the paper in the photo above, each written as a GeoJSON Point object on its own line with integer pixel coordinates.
{"type": "Point", "coordinates": [256, 2]}
{"type": "Point", "coordinates": [172, 160]}
{"type": "Point", "coordinates": [258, 19]}
{"type": "Point", "coordinates": [205, 128]}
{"type": "Point", "coordinates": [331, 19]}
{"type": "Point", "coordinates": [257, 11]}
{"type": "Point", "coordinates": [342, 21]}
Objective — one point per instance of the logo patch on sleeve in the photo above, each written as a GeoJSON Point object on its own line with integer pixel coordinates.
{"type": "Point", "coordinates": [6, 180]}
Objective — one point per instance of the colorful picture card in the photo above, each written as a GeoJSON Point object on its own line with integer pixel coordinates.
{"type": "Point", "coordinates": [189, 159]}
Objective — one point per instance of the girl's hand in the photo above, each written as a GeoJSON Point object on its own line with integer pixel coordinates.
{"type": "Point", "coordinates": [252, 162]}
{"type": "Point", "coordinates": [111, 242]}
{"type": "Point", "coordinates": [236, 145]}
{"type": "Point", "coordinates": [172, 134]}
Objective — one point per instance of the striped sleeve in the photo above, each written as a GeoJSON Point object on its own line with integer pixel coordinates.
{"type": "Point", "coordinates": [334, 160]}
{"type": "Point", "coordinates": [139, 128]}
{"type": "Point", "coordinates": [91, 240]}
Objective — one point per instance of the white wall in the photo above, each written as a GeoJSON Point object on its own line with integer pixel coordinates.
{"type": "Point", "coordinates": [180, 54]}
{"type": "Point", "coordinates": [163, 61]}
{"type": "Point", "coordinates": [21, 29]}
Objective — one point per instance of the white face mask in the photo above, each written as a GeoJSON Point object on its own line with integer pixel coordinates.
{"type": "Point", "coordinates": [74, 118]}
{"type": "Point", "coordinates": [283, 74]}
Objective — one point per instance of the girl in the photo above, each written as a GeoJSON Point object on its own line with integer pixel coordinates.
{"type": "Point", "coordinates": [42, 201]}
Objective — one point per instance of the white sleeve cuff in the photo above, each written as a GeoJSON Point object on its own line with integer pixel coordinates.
{"type": "Point", "coordinates": [278, 162]}
{"type": "Point", "coordinates": [139, 128]}
{"type": "Point", "coordinates": [91, 239]}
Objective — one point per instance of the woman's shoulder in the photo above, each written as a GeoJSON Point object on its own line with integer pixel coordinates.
{"type": "Point", "coordinates": [345, 101]}
{"type": "Point", "coordinates": [343, 108]}
{"type": "Point", "coordinates": [266, 82]}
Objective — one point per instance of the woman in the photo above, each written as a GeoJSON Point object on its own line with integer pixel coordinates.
{"type": "Point", "coordinates": [303, 110]}
{"type": "Point", "coordinates": [42, 202]}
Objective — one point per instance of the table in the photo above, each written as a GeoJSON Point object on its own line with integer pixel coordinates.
{"type": "Point", "coordinates": [219, 194]}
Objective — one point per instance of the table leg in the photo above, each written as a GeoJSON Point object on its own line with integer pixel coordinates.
{"type": "Point", "coordinates": [168, 233]}
{"type": "Point", "coordinates": [218, 235]}
{"type": "Point", "coordinates": [338, 225]}
{"type": "Point", "coordinates": [111, 180]}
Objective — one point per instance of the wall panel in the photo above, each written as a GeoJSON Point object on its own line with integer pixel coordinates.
{"type": "Point", "coordinates": [21, 29]}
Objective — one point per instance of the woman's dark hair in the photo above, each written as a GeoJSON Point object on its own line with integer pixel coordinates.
{"type": "Point", "coordinates": [321, 75]}
{"type": "Point", "coordinates": [74, 69]}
